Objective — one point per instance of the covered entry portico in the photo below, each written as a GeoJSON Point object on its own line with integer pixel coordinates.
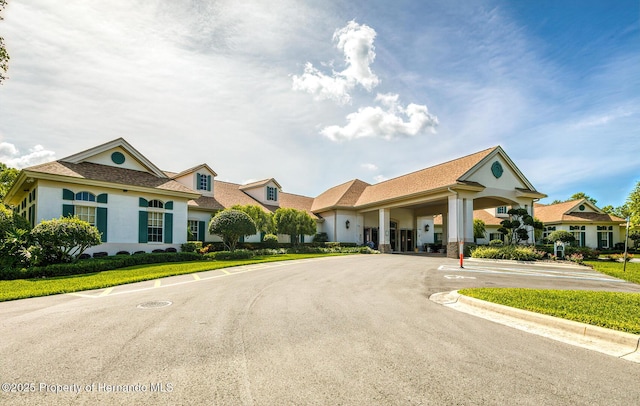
{"type": "Point", "coordinates": [397, 215]}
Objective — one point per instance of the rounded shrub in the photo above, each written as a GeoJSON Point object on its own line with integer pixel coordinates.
{"type": "Point", "coordinates": [270, 241]}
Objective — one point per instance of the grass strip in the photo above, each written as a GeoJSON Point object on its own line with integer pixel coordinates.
{"type": "Point", "coordinates": [26, 288]}
{"type": "Point", "coordinates": [613, 310]}
{"type": "Point", "coordinates": [612, 268]}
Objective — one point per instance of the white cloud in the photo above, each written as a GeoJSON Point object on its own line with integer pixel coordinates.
{"type": "Point", "coordinates": [389, 123]}
{"type": "Point", "coordinates": [370, 167]}
{"type": "Point", "coordinates": [379, 178]}
{"type": "Point", "coordinates": [10, 156]}
{"type": "Point", "coordinates": [356, 43]}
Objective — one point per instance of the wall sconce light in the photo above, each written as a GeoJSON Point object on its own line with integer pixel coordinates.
{"type": "Point", "coordinates": [426, 227]}
{"type": "Point", "coordinates": [347, 223]}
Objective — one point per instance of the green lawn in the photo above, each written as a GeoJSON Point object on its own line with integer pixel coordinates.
{"type": "Point", "coordinates": [25, 288]}
{"type": "Point", "coordinates": [614, 310]}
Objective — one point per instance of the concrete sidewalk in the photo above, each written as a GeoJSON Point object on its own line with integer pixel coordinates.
{"type": "Point", "coordinates": [610, 342]}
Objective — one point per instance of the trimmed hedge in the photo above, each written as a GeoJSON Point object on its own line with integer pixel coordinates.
{"type": "Point", "coordinates": [85, 266]}
{"type": "Point", "coordinates": [517, 253]}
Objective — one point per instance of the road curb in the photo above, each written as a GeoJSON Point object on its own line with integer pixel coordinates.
{"type": "Point", "coordinates": [616, 343]}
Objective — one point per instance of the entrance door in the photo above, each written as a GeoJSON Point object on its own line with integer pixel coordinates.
{"type": "Point", "coordinates": [406, 240]}
{"type": "Point", "coordinates": [392, 235]}
{"type": "Point", "coordinates": [371, 236]}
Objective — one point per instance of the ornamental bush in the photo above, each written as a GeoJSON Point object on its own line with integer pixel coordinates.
{"type": "Point", "coordinates": [62, 240]}
{"type": "Point", "coordinates": [270, 241]}
{"type": "Point", "coordinates": [231, 225]}
{"type": "Point", "coordinates": [229, 255]}
{"type": "Point", "coordinates": [512, 252]}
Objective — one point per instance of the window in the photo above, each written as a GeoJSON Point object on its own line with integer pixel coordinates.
{"type": "Point", "coordinates": [155, 223]}
{"type": "Point", "coordinates": [86, 196]}
{"type": "Point", "coordinates": [272, 193]}
{"type": "Point", "coordinates": [193, 230]}
{"type": "Point", "coordinates": [86, 213]}
{"type": "Point", "coordinates": [154, 226]}
{"type": "Point", "coordinates": [86, 206]}
{"type": "Point", "coordinates": [203, 182]}
{"type": "Point", "coordinates": [495, 236]}
{"type": "Point", "coordinates": [501, 210]}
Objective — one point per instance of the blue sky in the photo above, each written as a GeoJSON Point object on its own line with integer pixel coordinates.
{"type": "Point", "coordinates": [314, 94]}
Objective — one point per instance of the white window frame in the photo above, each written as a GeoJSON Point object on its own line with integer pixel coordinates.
{"type": "Point", "coordinates": [86, 213]}
{"type": "Point", "coordinates": [155, 226]}
{"type": "Point", "coordinates": [194, 226]}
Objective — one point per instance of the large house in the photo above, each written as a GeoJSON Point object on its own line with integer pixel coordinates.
{"type": "Point", "coordinates": [590, 226]}
{"type": "Point", "coordinates": [138, 207]}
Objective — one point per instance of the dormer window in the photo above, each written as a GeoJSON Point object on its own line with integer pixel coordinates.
{"type": "Point", "coordinates": [502, 210]}
{"type": "Point", "coordinates": [272, 193]}
{"type": "Point", "coordinates": [203, 182]}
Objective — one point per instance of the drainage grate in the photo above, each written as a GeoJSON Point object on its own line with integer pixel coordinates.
{"type": "Point", "coordinates": [154, 304]}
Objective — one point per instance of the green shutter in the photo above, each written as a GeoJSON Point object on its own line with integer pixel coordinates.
{"type": "Point", "coordinates": [599, 240]}
{"type": "Point", "coordinates": [32, 215]}
{"type": "Point", "coordinates": [201, 225]}
{"type": "Point", "coordinates": [168, 205]}
{"type": "Point", "coordinates": [168, 228]}
{"type": "Point", "coordinates": [208, 183]}
{"type": "Point", "coordinates": [102, 198]}
{"type": "Point", "coordinates": [68, 210]}
{"type": "Point", "coordinates": [143, 219]}
{"type": "Point", "coordinates": [143, 203]}
{"type": "Point", "coordinates": [611, 241]}
{"type": "Point", "coordinates": [68, 194]}
{"type": "Point", "coordinates": [101, 222]}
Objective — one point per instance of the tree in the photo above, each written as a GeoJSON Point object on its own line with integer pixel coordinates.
{"type": "Point", "coordinates": [582, 195]}
{"type": "Point", "coordinates": [262, 219]}
{"type": "Point", "coordinates": [62, 240]}
{"type": "Point", "coordinates": [231, 225]}
{"type": "Point", "coordinates": [632, 207]}
{"type": "Point", "coordinates": [294, 223]}
{"type": "Point", "coordinates": [7, 177]}
{"type": "Point", "coordinates": [514, 228]}
{"type": "Point", "coordinates": [561, 235]}
{"type": "Point", "coordinates": [479, 229]}
{"type": "Point", "coordinates": [577, 196]}
{"type": "Point", "coordinates": [636, 238]}
{"type": "Point", "coordinates": [4, 56]}
{"type": "Point", "coordinates": [14, 239]}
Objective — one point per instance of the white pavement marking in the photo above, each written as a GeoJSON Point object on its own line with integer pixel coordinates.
{"type": "Point", "coordinates": [197, 277]}
{"type": "Point", "coordinates": [533, 272]}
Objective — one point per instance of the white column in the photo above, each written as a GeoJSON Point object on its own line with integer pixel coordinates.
{"type": "Point", "coordinates": [454, 217]}
{"type": "Point", "coordinates": [468, 220]}
{"type": "Point", "coordinates": [455, 226]}
{"type": "Point", "coordinates": [384, 239]}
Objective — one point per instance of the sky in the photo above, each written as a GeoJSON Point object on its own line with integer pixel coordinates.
{"type": "Point", "coordinates": [315, 94]}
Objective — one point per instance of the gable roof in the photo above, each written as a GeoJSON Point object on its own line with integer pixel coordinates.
{"type": "Point", "coordinates": [436, 177]}
{"type": "Point", "coordinates": [229, 194]}
{"type": "Point", "coordinates": [344, 195]}
{"type": "Point", "coordinates": [566, 212]}
{"type": "Point", "coordinates": [87, 171]}
{"type": "Point", "coordinates": [118, 142]}
{"type": "Point", "coordinates": [259, 183]}
{"type": "Point", "coordinates": [190, 170]}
